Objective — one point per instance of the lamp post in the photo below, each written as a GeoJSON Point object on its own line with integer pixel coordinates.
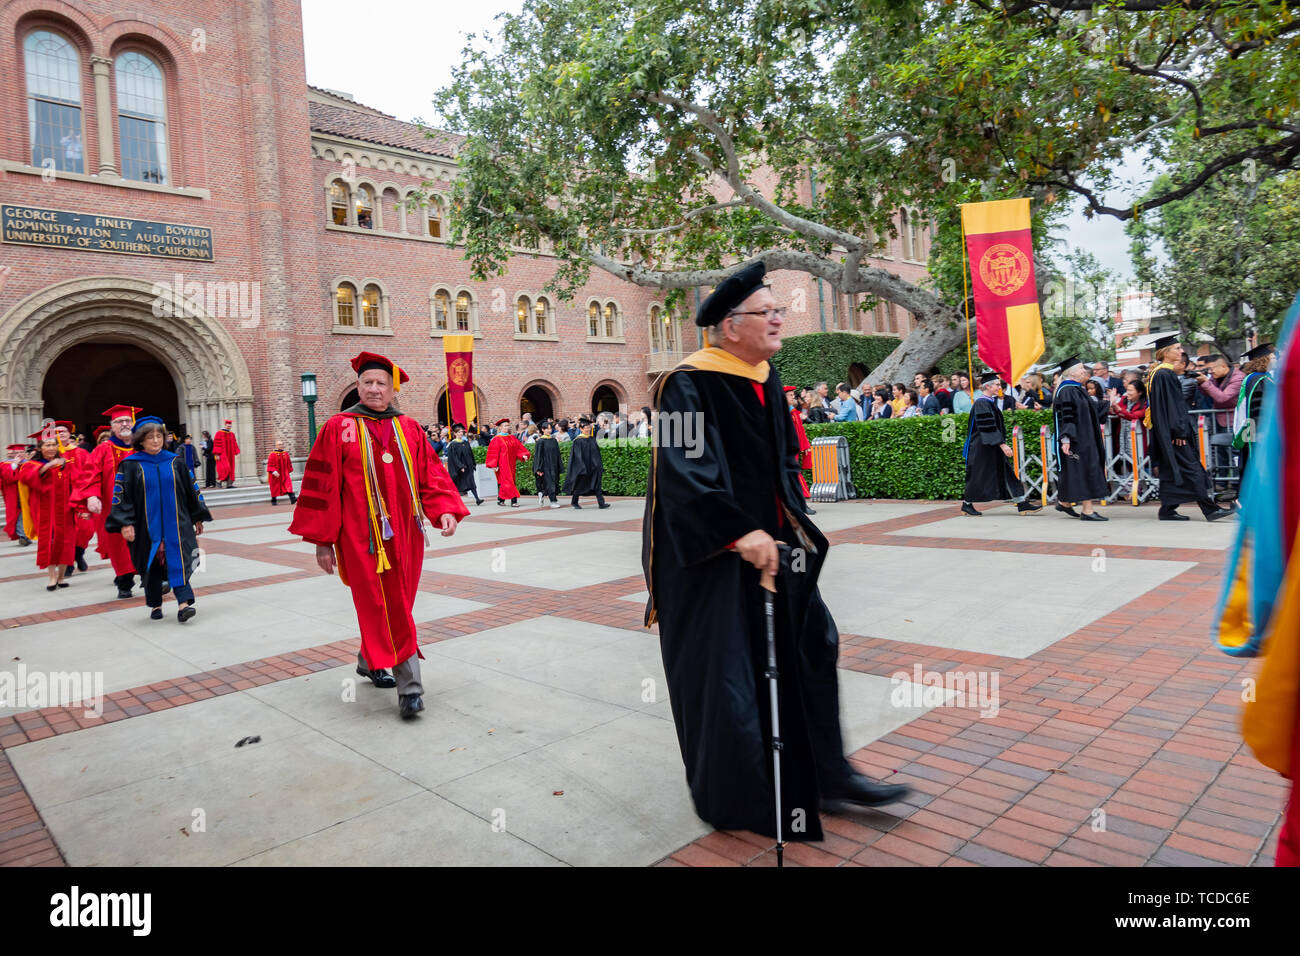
{"type": "Point", "coordinates": [309, 396]}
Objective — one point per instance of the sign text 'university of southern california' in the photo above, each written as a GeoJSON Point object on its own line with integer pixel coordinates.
{"type": "Point", "coordinates": [31, 226]}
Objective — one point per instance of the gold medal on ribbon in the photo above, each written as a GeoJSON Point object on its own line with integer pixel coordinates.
{"type": "Point", "coordinates": [388, 458]}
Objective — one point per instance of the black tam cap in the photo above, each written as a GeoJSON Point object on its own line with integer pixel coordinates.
{"type": "Point", "coordinates": [1259, 351]}
{"type": "Point", "coordinates": [988, 377]}
{"type": "Point", "coordinates": [1163, 342]}
{"type": "Point", "coordinates": [731, 291]}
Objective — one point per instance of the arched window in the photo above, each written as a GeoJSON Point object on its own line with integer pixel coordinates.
{"type": "Point", "coordinates": [441, 310]}
{"type": "Point", "coordinates": [522, 306]}
{"type": "Point", "coordinates": [463, 315]}
{"type": "Point", "coordinates": [611, 319]}
{"type": "Point", "coordinates": [345, 305]}
{"type": "Point", "coordinates": [656, 340]}
{"type": "Point", "coordinates": [141, 117]}
{"type": "Point", "coordinates": [434, 210]}
{"type": "Point", "coordinates": [390, 211]}
{"type": "Point", "coordinates": [371, 302]}
{"type": "Point", "coordinates": [541, 313]}
{"type": "Point", "coordinates": [593, 320]}
{"type": "Point", "coordinates": [365, 207]}
{"type": "Point", "coordinates": [914, 223]}
{"type": "Point", "coordinates": [339, 203]}
{"type": "Point", "coordinates": [54, 101]}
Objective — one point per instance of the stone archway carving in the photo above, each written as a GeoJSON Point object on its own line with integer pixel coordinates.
{"type": "Point", "coordinates": [212, 380]}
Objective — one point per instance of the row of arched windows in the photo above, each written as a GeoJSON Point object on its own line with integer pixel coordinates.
{"type": "Point", "coordinates": [364, 305]}
{"type": "Point", "coordinates": [361, 207]}
{"type": "Point", "coordinates": [55, 114]}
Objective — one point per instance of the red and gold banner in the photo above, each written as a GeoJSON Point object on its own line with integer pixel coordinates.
{"type": "Point", "coordinates": [1000, 251]}
{"type": "Point", "coordinates": [459, 352]}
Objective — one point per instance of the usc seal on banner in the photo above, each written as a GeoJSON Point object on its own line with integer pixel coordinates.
{"type": "Point", "coordinates": [1004, 268]}
{"type": "Point", "coordinates": [458, 371]}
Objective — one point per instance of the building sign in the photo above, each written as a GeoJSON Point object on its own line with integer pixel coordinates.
{"type": "Point", "coordinates": [58, 229]}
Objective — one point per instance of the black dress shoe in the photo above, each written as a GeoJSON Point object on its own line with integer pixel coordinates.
{"type": "Point", "coordinates": [1067, 510]}
{"type": "Point", "coordinates": [380, 678]}
{"type": "Point", "coordinates": [1093, 517]}
{"type": "Point", "coordinates": [50, 587]}
{"type": "Point", "coordinates": [185, 613]}
{"type": "Point", "coordinates": [123, 593]}
{"type": "Point", "coordinates": [1027, 507]}
{"type": "Point", "coordinates": [500, 503]}
{"type": "Point", "coordinates": [1173, 516]}
{"type": "Point", "coordinates": [969, 509]}
{"type": "Point", "coordinates": [606, 505]}
{"type": "Point", "coordinates": [808, 511]}
{"type": "Point", "coordinates": [578, 506]}
{"type": "Point", "coordinates": [155, 614]}
{"type": "Point", "coordinates": [408, 705]}
{"type": "Point", "coordinates": [61, 584]}
{"type": "Point", "coordinates": [1221, 513]}
{"type": "Point", "coordinates": [861, 791]}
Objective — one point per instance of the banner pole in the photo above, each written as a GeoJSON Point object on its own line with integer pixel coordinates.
{"type": "Point", "coordinates": [965, 306]}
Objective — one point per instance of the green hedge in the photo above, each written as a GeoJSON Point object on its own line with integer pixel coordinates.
{"type": "Point", "coordinates": [826, 356]}
{"type": "Point", "coordinates": [912, 458]}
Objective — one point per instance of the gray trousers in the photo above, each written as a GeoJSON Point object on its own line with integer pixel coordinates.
{"type": "Point", "coordinates": [407, 674]}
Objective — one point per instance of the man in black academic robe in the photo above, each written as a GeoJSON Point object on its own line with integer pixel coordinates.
{"type": "Point", "coordinates": [722, 492]}
{"type": "Point", "coordinates": [1080, 461]}
{"type": "Point", "coordinates": [460, 463]}
{"type": "Point", "coordinates": [989, 473]}
{"type": "Point", "coordinates": [546, 467]}
{"type": "Point", "coordinates": [1173, 438]}
{"type": "Point", "coordinates": [586, 467]}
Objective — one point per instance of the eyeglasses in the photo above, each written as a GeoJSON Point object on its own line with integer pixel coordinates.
{"type": "Point", "coordinates": [779, 313]}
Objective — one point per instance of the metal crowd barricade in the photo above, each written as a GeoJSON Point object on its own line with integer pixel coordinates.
{"type": "Point", "coordinates": [1128, 462]}
{"type": "Point", "coordinates": [1219, 458]}
{"type": "Point", "coordinates": [1035, 487]}
{"type": "Point", "coordinates": [831, 472]}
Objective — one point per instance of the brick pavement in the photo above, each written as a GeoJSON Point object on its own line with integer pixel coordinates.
{"type": "Point", "coordinates": [1117, 745]}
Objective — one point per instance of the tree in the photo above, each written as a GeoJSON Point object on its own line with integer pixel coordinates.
{"type": "Point", "coordinates": [1226, 260]}
{"type": "Point", "coordinates": [664, 140]}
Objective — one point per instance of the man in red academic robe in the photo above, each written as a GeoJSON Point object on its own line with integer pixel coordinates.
{"type": "Point", "coordinates": [95, 490]}
{"type": "Point", "coordinates": [225, 448]}
{"type": "Point", "coordinates": [9, 487]}
{"type": "Point", "coordinates": [371, 482]}
{"type": "Point", "coordinates": [805, 446]}
{"type": "Point", "coordinates": [504, 450]}
{"type": "Point", "coordinates": [279, 474]}
{"type": "Point", "coordinates": [77, 458]}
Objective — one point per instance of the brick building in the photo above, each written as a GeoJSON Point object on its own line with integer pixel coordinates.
{"type": "Point", "coordinates": [189, 226]}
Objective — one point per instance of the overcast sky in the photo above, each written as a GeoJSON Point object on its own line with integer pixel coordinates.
{"type": "Point", "coordinates": [406, 53]}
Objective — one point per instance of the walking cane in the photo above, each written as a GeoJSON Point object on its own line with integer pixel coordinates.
{"type": "Point", "coordinates": [768, 582]}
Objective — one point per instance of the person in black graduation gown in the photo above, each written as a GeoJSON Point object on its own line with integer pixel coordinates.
{"type": "Point", "coordinates": [586, 467]}
{"type": "Point", "coordinates": [989, 473]}
{"type": "Point", "coordinates": [546, 466]}
{"type": "Point", "coordinates": [1080, 465]}
{"type": "Point", "coordinates": [719, 498]}
{"type": "Point", "coordinates": [460, 463]}
{"type": "Point", "coordinates": [1173, 438]}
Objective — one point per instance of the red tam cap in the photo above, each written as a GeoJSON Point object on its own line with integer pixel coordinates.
{"type": "Point", "coordinates": [791, 388]}
{"type": "Point", "coordinates": [36, 435]}
{"type": "Point", "coordinates": [68, 425]}
{"type": "Point", "coordinates": [228, 422]}
{"type": "Point", "coordinates": [369, 360]}
{"type": "Point", "coordinates": [120, 411]}
{"type": "Point", "coordinates": [16, 448]}
{"type": "Point", "coordinates": [498, 424]}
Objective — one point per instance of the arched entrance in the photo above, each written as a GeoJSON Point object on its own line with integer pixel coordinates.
{"type": "Point", "coordinates": [443, 407]}
{"type": "Point", "coordinates": [537, 401]}
{"type": "Point", "coordinates": [92, 376]}
{"type": "Point", "coordinates": [98, 320]}
{"type": "Point", "coordinates": [604, 399]}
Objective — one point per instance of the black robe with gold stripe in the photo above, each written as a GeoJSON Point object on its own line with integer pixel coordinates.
{"type": "Point", "coordinates": [723, 466]}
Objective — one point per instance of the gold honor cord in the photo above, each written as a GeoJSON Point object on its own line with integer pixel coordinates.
{"type": "Point", "coordinates": [408, 467]}
{"type": "Point", "coordinates": [372, 493]}
{"type": "Point", "coordinates": [1151, 377]}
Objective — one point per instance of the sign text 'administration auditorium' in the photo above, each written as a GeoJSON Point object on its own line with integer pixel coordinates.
{"type": "Point", "coordinates": [56, 228]}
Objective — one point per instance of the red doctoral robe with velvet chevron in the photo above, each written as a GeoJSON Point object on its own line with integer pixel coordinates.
{"type": "Point", "coordinates": [279, 473]}
{"type": "Point", "coordinates": [332, 510]}
{"type": "Point", "coordinates": [226, 448]}
{"type": "Point", "coordinates": [51, 512]}
{"type": "Point", "coordinates": [96, 481]}
{"type": "Point", "coordinates": [504, 451]}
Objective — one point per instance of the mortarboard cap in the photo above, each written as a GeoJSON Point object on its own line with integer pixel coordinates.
{"type": "Point", "coordinates": [1259, 351]}
{"type": "Point", "coordinates": [369, 360]}
{"type": "Point", "coordinates": [456, 425]}
{"type": "Point", "coordinates": [988, 377]}
{"type": "Point", "coordinates": [119, 411]}
{"type": "Point", "coordinates": [1067, 363]}
{"type": "Point", "coordinates": [1163, 342]}
{"type": "Point", "coordinates": [731, 291]}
